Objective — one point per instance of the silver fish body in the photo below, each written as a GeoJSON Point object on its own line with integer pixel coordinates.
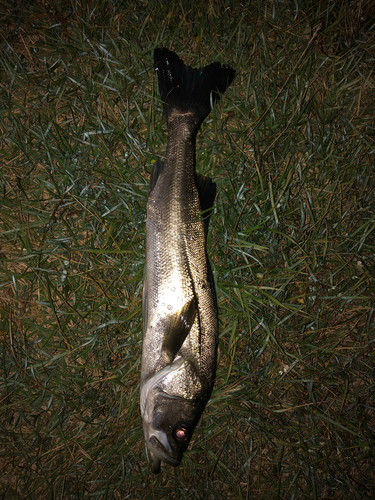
{"type": "Point", "coordinates": [180, 322]}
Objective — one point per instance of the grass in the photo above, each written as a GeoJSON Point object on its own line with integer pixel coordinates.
{"type": "Point", "coordinates": [291, 148]}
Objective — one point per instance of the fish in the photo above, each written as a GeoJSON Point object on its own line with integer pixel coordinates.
{"type": "Point", "coordinates": [179, 304]}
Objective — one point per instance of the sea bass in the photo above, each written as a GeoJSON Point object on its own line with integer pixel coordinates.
{"type": "Point", "coordinates": [180, 320]}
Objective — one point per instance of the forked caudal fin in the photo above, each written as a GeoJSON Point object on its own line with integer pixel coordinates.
{"type": "Point", "coordinates": [184, 89]}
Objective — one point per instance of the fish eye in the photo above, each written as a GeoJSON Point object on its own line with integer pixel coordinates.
{"type": "Point", "coordinates": [181, 434]}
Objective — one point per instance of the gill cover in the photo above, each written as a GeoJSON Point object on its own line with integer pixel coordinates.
{"type": "Point", "coordinates": [171, 403]}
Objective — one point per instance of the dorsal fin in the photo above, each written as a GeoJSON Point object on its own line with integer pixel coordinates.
{"type": "Point", "coordinates": [207, 194]}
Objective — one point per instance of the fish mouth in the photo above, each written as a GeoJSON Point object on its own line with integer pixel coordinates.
{"type": "Point", "coordinates": [157, 453]}
{"type": "Point", "coordinates": [153, 461]}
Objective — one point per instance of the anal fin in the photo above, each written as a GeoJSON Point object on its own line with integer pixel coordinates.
{"type": "Point", "coordinates": [156, 171]}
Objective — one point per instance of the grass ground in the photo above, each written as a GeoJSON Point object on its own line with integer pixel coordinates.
{"type": "Point", "coordinates": [292, 243]}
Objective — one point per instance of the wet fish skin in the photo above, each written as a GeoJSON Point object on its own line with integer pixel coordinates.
{"type": "Point", "coordinates": [180, 322]}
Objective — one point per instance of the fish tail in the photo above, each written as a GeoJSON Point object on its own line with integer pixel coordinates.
{"type": "Point", "coordinates": [184, 89]}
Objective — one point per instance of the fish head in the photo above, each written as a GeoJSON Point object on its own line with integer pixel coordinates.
{"type": "Point", "coordinates": [172, 402]}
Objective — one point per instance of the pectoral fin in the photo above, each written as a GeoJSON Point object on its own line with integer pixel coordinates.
{"type": "Point", "coordinates": [178, 329]}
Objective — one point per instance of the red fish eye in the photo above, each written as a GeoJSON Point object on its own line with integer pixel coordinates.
{"type": "Point", "coordinates": [181, 434]}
